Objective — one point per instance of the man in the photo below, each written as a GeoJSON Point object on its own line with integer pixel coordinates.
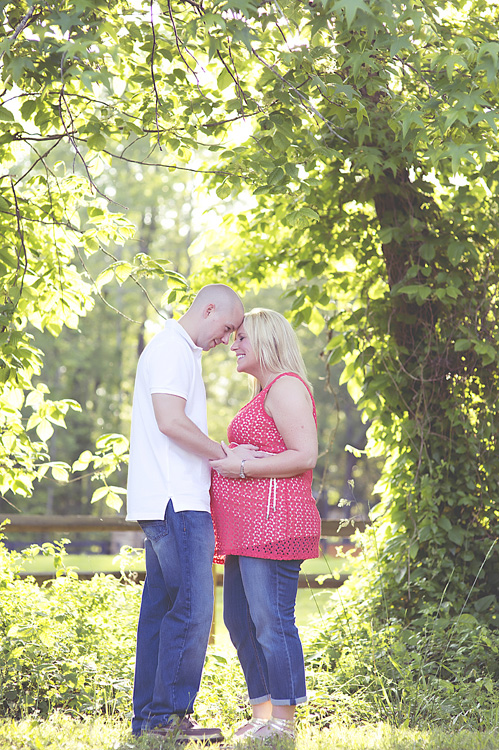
{"type": "Point", "coordinates": [168, 494]}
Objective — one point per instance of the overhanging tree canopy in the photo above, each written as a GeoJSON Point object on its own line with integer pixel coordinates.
{"type": "Point", "coordinates": [368, 140]}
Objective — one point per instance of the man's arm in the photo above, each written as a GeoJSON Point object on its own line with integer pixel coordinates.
{"type": "Point", "coordinates": [174, 423]}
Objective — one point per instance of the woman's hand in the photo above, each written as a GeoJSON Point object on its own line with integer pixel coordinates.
{"type": "Point", "coordinates": [229, 466]}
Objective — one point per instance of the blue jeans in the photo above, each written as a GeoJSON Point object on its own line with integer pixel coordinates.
{"type": "Point", "coordinates": [175, 616]}
{"type": "Point", "coordinates": [259, 612]}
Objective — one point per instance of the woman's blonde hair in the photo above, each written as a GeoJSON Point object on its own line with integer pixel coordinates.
{"type": "Point", "coordinates": [274, 342]}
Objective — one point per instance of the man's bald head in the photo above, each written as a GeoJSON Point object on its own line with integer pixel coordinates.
{"type": "Point", "coordinates": [219, 294]}
{"type": "Point", "coordinates": [214, 314]}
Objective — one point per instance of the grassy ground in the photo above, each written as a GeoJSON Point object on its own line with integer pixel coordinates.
{"type": "Point", "coordinates": [97, 563]}
{"type": "Point", "coordinates": [64, 733]}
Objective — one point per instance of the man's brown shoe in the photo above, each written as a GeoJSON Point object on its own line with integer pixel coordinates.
{"type": "Point", "coordinates": [187, 729]}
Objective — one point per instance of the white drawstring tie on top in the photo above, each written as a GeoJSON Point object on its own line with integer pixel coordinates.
{"type": "Point", "coordinates": [272, 496]}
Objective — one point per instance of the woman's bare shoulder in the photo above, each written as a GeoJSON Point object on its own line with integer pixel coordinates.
{"type": "Point", "coordinates": [286, 388]}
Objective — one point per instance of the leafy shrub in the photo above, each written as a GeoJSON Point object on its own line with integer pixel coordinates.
{"type": "Point", "coordinates": [68, 644]}
{"type": "Point", "coordinates": [436, 669]}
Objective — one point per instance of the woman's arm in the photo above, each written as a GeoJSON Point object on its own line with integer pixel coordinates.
{"type": "Point", "coordinates": [289, 404]}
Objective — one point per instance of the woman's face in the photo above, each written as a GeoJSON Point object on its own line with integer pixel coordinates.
{"type": "Point", "coordinates": [246, 359]}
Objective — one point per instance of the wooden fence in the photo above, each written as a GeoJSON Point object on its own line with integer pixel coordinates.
{"type": "Point", "coordinates": [343, 528]}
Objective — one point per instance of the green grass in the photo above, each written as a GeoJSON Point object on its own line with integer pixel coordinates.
{"type": "Point", "coordinates": [64, 733]}
{"type": "Point", "coordinates": [82, 564]}
{"type": "Point", "coordinates": [97, 563]}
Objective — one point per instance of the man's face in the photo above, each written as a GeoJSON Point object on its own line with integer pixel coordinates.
{"type": "Point", "coordinates": [219, 324]}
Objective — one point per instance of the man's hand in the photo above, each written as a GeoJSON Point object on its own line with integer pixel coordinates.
{"type": "Point", "coordinates": [230, 466]}
{"type": "Point", "coordinates": [244, 451]}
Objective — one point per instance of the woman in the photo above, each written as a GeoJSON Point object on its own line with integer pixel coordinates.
{"type": "Point", "coordinates": [266, 522]}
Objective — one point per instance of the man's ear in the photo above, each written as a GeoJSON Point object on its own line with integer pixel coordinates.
{"type": "Point", "coordinates": [208, 310]}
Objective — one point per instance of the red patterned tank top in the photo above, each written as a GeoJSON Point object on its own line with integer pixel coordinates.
{"type": "Point", "coordinates": [269, 518]}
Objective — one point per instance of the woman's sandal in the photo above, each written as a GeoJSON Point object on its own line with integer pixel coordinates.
{"type": "Point", "coordinates": [275, 728]}
{"type": "Point", "coordinates": [248, 730]}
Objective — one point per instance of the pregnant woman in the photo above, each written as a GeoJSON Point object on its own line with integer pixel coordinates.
{"type": "Point", "coordinates": [266, 521]}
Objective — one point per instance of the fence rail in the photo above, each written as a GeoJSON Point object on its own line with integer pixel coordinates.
{"type": "Point", "coordinates": [342, 527]}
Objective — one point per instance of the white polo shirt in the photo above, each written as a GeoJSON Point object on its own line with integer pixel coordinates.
{"type": "Point", "coordinates": [159, 469]}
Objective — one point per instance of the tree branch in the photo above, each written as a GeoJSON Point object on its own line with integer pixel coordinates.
{"type": "Point", "coordinates": [41, 157]}
{"type": "Point", "coordinates": [168, 166]}
{"type": "Point", "coordinates": [240, 93]}
{"type": "Point", "coordinates": [20, 232]}
{"type": "Point", "coordinates": [22, 24]}
{"type": "Point", "coordinates": [301, 96]}
{"type": "Point", "coordinates": [153, 77]}
{"type": "Point", "coordinates": [177, 44]}
{"type": "Point", "coordinates": [104, 300]}
{"type": "Point", "coordinates": [30, 220]}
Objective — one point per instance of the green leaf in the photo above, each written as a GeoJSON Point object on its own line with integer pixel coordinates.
{"type": "Point", "coordinates": [18, 65]}
{"type": "Point", "coordinates": [334, 342]}
{"type": "Point", "coordinates": [481, 605]}
{"type": "Point", "coordinates": [347, 373]}
{"type": "Point", "coordinates": [316, 322]}
{"type": "Point", "coordinates": [455, 251]}
{"type": "Point", "coordinates": [34, 399]}
{"type": "Point", "coordinates": [223, 191]}
{"type": "Point", "coordinates": [214, 19]}
{"type": "Point", "coordinates": [445, 524]}
{"type": "Point", "coordinates": [486, 351]}
{"type": "Point", "coordinates": [6, 114]}
{"type": "Point", "coordinates": [453, 61]}
{"type": "Point", "coordinates": [456, 535]}
{"type": "Point", "coordinates": [83, 461]}
{"type": "Point", "coordinates": [291, 170]}
{"type": "Point", "coordinates": [96, 142]}
{"type": "Point", "coordinates": [44, 430]}
{"type": "Point", "coordinates": [28, 107]}
{"type": "Point", "coordinates": [214, 45]}
{"type": "Point", "coordinates": [114, 501]}
{"type": "Point", "coordinates": [276, 176]}
{"type": "Point", "coordinates": [60, 473]}
{"type": "Point", "coordinates": [419, 291]}
{"type": "Point", "coordinates": [461, 152]}
{"type": "Point", "coordinates": [122, 271]}
{"type": "Point", "coordinates": [413, 550]}
{"type": "Point", "coordinates": [104, 277]}
{"type": "Point", "coordinates": [301, 218]}
{"type": "Point", "coordinates": [411, 119]}
{"type": "Point", "coordinates": [427, 251]}
{"type": "Point", "coordinates": [351, 8]}
{"type": "Point", "coordinates": [99, 493]}
{"type": "Point", "coordinates": [224, 80]}
{"type": "Point", "coordinates": [280, 141]}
